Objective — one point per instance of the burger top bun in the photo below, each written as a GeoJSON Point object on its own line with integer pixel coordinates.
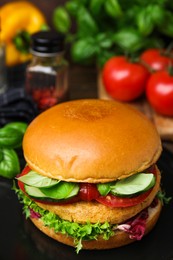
{"type": "Point", "coordinates": [91, 141]}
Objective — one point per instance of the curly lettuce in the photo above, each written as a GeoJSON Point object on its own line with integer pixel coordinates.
{"type": "Point", "coordinates": [79, 232]}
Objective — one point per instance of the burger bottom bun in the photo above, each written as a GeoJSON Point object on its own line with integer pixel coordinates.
{"type": "Point", "coordinates": [119, 239]}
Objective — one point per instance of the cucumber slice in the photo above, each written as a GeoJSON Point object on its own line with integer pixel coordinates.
{"type": "Point", "coordinates": [62, 190]}
{"type": "Point", "coordinates": [36, 180]}
{"type": "Point", "coordinates": [34, 192]}
{"type": "Point", "coordinates": [134, 184]}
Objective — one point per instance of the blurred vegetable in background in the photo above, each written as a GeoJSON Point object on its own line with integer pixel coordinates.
{"type": "Point", "coordinates": [113, 27]}
{"type": "Point", "coordinates": [19, 19]}
{"type": "Point", "coordinates": [11, 136]}
{"type": "Point", "coordinates": [124, 79]}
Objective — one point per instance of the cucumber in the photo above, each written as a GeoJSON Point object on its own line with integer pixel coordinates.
{"type": "Point", "coordinates": [34, 192]}
{"type": "Point", "coordinates": [62, 190]}
{"type": "Point", "coordinates": [134, 184]}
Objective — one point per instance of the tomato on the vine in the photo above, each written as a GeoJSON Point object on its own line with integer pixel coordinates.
{"type": "Point", "coordinates": [155, 59]}
{"type": "Point", "coordinates": [123, 79]}
{"type": "Point", "coordinates": [159, 92]}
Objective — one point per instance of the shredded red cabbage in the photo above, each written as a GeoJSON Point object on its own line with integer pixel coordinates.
{"type": "Point", "coordinates": [135, 227]}
{"type": "Point", "coordinates": [34, 214]}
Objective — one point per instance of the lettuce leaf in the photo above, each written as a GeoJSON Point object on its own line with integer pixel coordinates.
{"type": "Point", "coordinates": [78, 231]}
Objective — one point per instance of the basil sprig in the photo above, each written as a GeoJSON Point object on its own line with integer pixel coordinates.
{"type": "Point", "coordinates": [128, 186]}
{"type": "Point", "coordinates": [11, 136]}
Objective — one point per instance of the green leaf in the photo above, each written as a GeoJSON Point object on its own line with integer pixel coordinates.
{"type": "Point", "coordinates": [145, 22]}
{"type": "Point", "coordinates": [166, 27]}
{"type": "Point", "coordinates": [104, 40]}
{"type": "Point", "coordinates": [84, 50]}
{"type": "Point", "coordinates": [129, 40]}
{"type": "Point", "coordinates": [36, 180]}
{"type": "Point", "coordinates": [96, 6]}
{"type": "Point", "coordinates": [113, 8]}
{"type": "Point", "coordinates": [9, 163]}
{"type": "Point", "coordinates": [62, 190]}
{"type": "Point", "coordinates": [158, 14]}
{"type": "Point", "coordinates": [134, 184]}
{"type": "Point", "coordinates": [86, 25]}
{"type": "Point", "coordinates": [10, 138]}
{"type": "Point", "coordinates": [163, 198]}
{"type": "Point", "coordinates": [72, 7]}
{"type": "Point", "coordinates": [61, 20]}
{"type": "Point", "coordinates": [104, 188]}
{"type": "Point", "coordinates": [20, 126]}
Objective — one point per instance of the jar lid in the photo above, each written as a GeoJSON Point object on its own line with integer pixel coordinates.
{"type": "Point", "coordinates": [47, 42]}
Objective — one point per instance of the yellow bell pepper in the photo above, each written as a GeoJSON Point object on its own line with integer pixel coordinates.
{"type": "Point", "coordinates": [16, 17]}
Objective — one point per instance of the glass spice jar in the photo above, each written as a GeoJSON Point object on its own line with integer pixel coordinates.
{"type": "Point", "coordinates": [47, 74]}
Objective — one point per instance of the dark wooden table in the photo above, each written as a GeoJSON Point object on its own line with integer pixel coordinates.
{"type": "Point", "coordinates": [82, 82]}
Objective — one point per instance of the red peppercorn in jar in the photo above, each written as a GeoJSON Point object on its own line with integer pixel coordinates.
{"type": "Point", "coordinates": [47, 74]}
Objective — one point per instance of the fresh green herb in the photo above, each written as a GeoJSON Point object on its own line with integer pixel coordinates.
{"type": "Point", "coordinates": [20, 126]}
{"type": "Point", "coordinates": [62, 190]}
{"type": "Point", "coordinates": [129, 186]}
{"type": "Point", "coordinates": [36, 180]}
{"type": "Point", "coordinates": [79, 232]}
{"type": "Point", "coordinates": [9, 163]}
{"type": "Point", "coordinates": [11, 136]}
{"type": "Point", "coordinates": [161, 195]}
{"type": "Point", "coordinates": [104, 188]}
{"type": "Point", "coordinates": [150, 22]}
{"type": "Point", "coordinates": [134, 184]}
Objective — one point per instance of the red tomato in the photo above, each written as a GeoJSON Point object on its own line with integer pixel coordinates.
{"type": "Point", "coordinates": [124, 80]}
{"type": "Point", "coordinates": [88, 192]}
{"type": "Point", "coordinates": [22, 187]}
{"type": "Point", "coordinates": [114, 201]}
{"type": "Point", "coordinates": [159, 92]}
{"type": "Point", "coordinates": [155, 59]}
{"type": "Point", "coordinates": [24, 172]}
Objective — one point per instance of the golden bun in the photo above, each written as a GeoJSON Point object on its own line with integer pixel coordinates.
{"type": "Point", "coordinates": [91, 141]}
{"type": "Point", "coordinates": [119, 239]}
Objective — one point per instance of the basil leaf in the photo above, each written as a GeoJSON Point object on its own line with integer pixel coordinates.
{"type": "Point", "coordinates": [62, 190]}
{"type": "Point", "coordinates": [61, 20]}
{"type": "Point", "coordinates": [78, 53]}
{"type": "Point", "coordinates": [113, 8]}
{"type": "Point", "coordinates": [129, 39]}
{"type": "Point", "coordinates": [20, 126]}
{"type": "Point", "coordinates": [134, 184]}
{"type": "Point", "coordinates": [86, 24]}
{"type": "Point", "coordinates": [9, 163]}
{"type": "Point", "coordinates": [145, 22]}
{"type": "Point", "coordinates": [10, 138]}
{"type": "Point", "coordinates": [104, 188]}
{"type": "Point", "coordinates": [96, 7]}
{"type": "Point", "coordinates": [36, 180]}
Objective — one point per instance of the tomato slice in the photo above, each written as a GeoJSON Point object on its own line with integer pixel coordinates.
{"type": "Point", "coordinates": [114, 201]}
{"type": "Point", "coordinates": [88, 192]}
{"type": "Point", "coordinates": [24, 172]}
